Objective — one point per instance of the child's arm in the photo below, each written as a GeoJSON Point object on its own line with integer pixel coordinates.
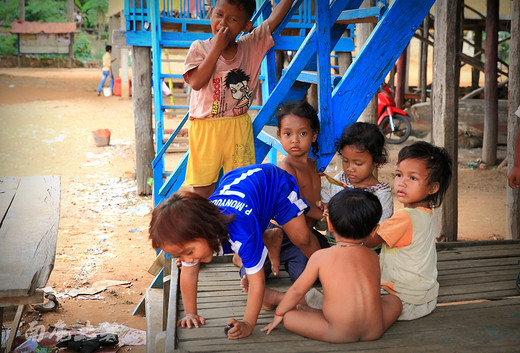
{"type": "Point", "coordinates": [199, 76]}
{"type": "Point", "coordinates": [278, 14]}
{"type": "Point", "coordinates": [188, 282]}
{"type": "Point", "coordinates": [395, 231]}
{"type": "Point", "coordinates": [373, 241]}
{"type": "Point", "coordinates": [255, 296]}
{"type": "Point", "coordinates": [297, 291]}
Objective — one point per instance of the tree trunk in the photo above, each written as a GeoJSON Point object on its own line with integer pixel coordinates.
{"type": "Point", "coordinates": [445, 107]}
{"type": "Point", "coordinates": [489, 143]}
{"type": "Point", "coordinates": [142, 105]}
{"type": "Point", "coordinates": [70, 11]}
{"type": "Point", "coordinates": [424, 60]}
{"type": "Point", "coordinates": [475, 73]}
{"type": "Point", "coordinates": [513, 123]}
{"type": "Point", "coordinates": [21, 5]}
{"type": "Point", "coordinates": [400, 81]}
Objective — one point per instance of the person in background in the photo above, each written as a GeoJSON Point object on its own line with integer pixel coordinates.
{"type": "Point", "coordinates": [107, 69]}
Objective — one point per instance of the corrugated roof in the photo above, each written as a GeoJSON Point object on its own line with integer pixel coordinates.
{"type": "Point", "coordinates": [43, 27]}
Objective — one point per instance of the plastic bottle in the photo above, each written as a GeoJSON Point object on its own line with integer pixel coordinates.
{"type": "Point", "coordinates": [30, 346]}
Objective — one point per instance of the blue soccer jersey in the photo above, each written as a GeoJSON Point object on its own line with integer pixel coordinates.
{"type": "Point", "coordinates": [256, 194]}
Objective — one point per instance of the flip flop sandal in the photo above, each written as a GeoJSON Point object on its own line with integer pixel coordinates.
{"type": "Point", "coordinates": [49, 306]}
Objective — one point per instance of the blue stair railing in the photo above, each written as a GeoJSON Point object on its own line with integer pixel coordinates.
{"type": "Point", "coordinates": [320, 26]}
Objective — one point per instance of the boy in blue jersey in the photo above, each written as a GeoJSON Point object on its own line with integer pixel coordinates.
{"type": "Point", "coordinates": [192, 228]}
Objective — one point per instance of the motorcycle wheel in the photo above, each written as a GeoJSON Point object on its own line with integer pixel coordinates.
{"type": "Point", "coordinates": [402, 130]}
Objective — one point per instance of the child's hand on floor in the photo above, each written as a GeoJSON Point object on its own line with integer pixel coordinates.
{"type": "Point", "coordinates": [190, 320]}
{"type": "Point", "coordinates": [240, 329]}
{"type": "Point", "coordinates": [269, 327]}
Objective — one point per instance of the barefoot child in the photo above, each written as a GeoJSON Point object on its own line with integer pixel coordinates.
{"type": "Point", "coordinates": [298, 128]}
{"type": "Point", "coordinates": [408, 255]}
{"type": "Point", "coordinates": [362, 150]}
{"type": "Point", "coordinates": [192, 228]}
{"type": "Point", "coordinates": [223, 73]}
{"type": "Point", "coordinates": [353, 308]}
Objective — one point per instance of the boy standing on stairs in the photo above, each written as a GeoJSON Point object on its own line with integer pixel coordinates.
{"type": "Point", "coordinates": [223, 73]}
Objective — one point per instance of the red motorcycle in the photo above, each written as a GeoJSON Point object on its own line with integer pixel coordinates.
{"type": "Point", "coordinates": [393, 122]}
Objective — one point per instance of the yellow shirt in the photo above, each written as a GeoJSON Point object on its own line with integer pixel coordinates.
{"type": "Point", "coordinates": [107, 61]}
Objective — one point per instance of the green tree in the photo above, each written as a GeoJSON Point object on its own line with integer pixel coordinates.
{"type": "Point", "coordinates": [82, 48]}
{"type": "Point", "coordinates": [9, 12]}
{"type": "Point", "coordinates": [93, 12]}
{"type": "Point", "coordinates": [46, 11]}
{"type": "Point", "coordinates": [8, 45]}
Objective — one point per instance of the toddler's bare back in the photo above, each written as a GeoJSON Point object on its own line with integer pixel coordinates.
{"type": "Point", "coordinates": [350, 278]}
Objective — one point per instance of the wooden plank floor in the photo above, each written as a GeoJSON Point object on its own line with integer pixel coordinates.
{"type": "Point", "coordinates": [478, 311]}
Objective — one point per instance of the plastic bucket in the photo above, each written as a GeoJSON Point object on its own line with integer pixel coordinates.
{"type": "Point", "coordinates": [107, 91]}
{"type": "Point", "coordinates": [101, 137]}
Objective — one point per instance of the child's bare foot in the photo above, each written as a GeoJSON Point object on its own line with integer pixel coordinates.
{"type": "Point", "coordinates": [273, 242]}
{"type": "Point", "coordinates": [237, 261]}
{"type": "Point", "coordinates": [244, 283]}
{"type": "Point", "coordinates": [271, 299]}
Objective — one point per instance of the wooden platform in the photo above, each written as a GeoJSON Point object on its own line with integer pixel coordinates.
{"type": "Point", "coordinates": [29, 216]}
{"type": "Point", "coordinates": [478, 311]}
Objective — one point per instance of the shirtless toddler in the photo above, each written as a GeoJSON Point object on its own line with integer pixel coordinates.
{"type": "Point", "coordinates": [352, 308]}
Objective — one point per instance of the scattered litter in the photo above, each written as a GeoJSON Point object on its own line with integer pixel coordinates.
{"type": "Point", "coordinates": [127, 336]}
{"type": "Point", "coordinates": [476, 164]}
{"type": "Point", "coordinates": [141, 210]}
{"type": "Point", "coordinates": [11, 86]}
{"type": "Point", "coordinates": [88, 344]}
{"type": "Point", "coordinates": [29, 346]}
{"type": "Point", "coordinates": [58, 138]}
{"type": "Point", "coordinates": [48, 290]}
{"type": "Point", "coordinates": [5, 334]}
{"type": "Point", "coordinates": [97, 287]}
{"type": "Point", "coordinates": [135, 230]}
{"type": "Point", "coordinates": [90, 297]}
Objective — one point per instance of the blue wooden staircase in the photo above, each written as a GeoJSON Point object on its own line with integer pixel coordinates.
{"type": "Point", "coordinates": [314, 30]}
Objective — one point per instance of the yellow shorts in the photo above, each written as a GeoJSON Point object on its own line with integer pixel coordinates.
{"type": "Point", "coordinates": [217, 143]}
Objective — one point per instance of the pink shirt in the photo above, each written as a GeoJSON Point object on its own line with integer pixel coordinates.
{"type": "Point", "coordinates": [232, 86]}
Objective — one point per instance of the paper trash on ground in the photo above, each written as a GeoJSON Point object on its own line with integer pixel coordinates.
{"type": "Point", "coordinates": [97, 287]}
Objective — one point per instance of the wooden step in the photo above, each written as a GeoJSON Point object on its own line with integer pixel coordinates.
{"type": "Point", "coordinates": [312, 77]}
{"type": "Point", "coordinates": [154, 316]}
{"type": "Point", "coordinates": [366, 15]}
{"type": "Point", "coordinates": [179, 144]}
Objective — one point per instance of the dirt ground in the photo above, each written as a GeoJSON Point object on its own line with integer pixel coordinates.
{"type": "Point", "coordinates": [46, 121]}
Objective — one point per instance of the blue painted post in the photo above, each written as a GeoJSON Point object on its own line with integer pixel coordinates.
{"type": "Point", "coordinates": [272, 156]}
{"type": "Point", "coordinates": [155, 30]}
{"type": "Point", "coordinates": [323, 27]}
{"type": "Point", "coordinates": [386, 43]}
{"type": "Point", "coordinates": [300, 60]}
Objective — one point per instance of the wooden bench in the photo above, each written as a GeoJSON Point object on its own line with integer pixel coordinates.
{"type": "Point", "coordinates": [478, 310]}
{"type": "Point", "coordinates": [29, 216]}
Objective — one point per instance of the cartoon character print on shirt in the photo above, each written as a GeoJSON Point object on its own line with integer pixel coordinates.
{"type": "Point", "coordinates": [237, 81]}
